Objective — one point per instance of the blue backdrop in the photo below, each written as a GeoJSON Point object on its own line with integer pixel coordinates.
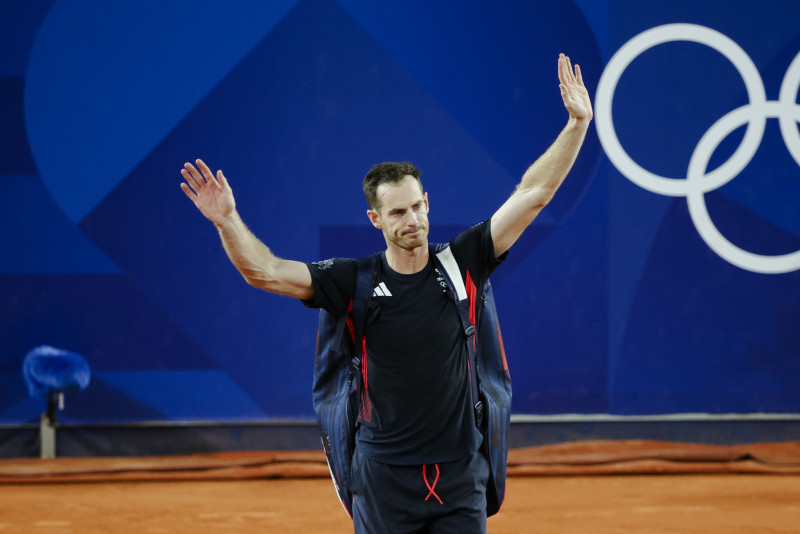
{"type": "Point", "coordinates": [663, 278]}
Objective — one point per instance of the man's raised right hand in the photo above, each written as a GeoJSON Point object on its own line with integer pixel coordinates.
{"type": "Point", "coordinates": [212, 195]}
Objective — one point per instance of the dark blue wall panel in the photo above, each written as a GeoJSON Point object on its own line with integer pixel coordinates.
{"type": "Point", "coordinates": [614, 301]}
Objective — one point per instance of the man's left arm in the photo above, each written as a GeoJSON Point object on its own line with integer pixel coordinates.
{"type": "Point", "coordinates": [542, 179]}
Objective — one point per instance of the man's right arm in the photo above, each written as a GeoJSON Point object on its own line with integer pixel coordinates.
{"type": "Point", "coordinates": [213, 196]}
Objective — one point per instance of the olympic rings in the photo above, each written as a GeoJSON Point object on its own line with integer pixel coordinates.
{"type": "Point", "coordinates": [697, 181]}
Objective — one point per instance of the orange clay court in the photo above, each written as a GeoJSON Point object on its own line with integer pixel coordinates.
{"type": "Point", "coordinates": [580, 487]}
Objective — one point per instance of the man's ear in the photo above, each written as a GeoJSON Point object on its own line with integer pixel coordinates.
{"type": "Point", "coordinates": [374, 218]}
{"type": "Point", "coordinates": [427, 205]}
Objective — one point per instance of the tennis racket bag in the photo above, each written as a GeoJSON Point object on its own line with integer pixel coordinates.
{"type": "Point", "coordinates": [338, 379]}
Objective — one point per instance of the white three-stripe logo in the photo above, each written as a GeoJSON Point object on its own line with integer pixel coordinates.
{"type": "Point", "coordinates": [381, 291]}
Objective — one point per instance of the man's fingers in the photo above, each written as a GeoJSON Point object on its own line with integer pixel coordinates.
{"type": "Point", "coordinates": [570, 71]}
{"type": "Point", "coordinates": [190, 179]}
{"type": "Point", "coordinates": [578, 74]}
{"type": "Point", "coordinates": [209, 176]}
{"type": "Point", "coordinates": [197, 178]}
{"type": "Point", "coordinates": [196, 182]}
{"type": "Point", "coordinates": [565, 75]}
{"type": "Point", "coordinates": [222, 180]}
{"type": "Point", "coordinates": [189, 192]}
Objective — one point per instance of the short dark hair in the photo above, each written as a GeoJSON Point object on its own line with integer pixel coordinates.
{"type": "Point", "coordinates": [390, 172]}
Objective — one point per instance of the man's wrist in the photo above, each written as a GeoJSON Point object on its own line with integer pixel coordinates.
{"type": "Point", "coordinates": [578, 123]}
{"type": "Point", "coordinates": [228, 222]}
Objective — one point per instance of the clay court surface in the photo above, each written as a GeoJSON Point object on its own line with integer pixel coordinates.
{"type": "Point", "coordinates": [563, 504]}
{"type": "Point", "coordinates": [580, 487]}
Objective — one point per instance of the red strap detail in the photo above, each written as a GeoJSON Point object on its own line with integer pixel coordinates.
{"type": "Point", "coordinates": [502, 348]}
{"type": "Point", "coordinates": [366, 404]}
{"type": "Point", "coordinates": [429, 486]}
{"type": "Point", "coordinates": [349, 321]}
{"type": "Point", "coordinates": [472, 293]}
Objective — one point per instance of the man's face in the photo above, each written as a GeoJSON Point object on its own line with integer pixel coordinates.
{"type": "Point", "coordinates": [403, 214]}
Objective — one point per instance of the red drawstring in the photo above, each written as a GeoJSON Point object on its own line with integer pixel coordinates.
{"type": "Point", "coordinates": [431, 488]}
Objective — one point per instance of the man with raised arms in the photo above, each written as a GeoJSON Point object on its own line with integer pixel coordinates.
{"type": "Point", "coordinates": [417, 465]}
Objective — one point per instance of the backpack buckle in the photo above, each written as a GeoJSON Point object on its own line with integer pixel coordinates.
{"type": "Point", "coordinates": [479, 415]}
{"type": "Point", "coordinates": [469, 332]}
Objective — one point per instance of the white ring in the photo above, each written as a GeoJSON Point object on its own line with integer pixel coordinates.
{"type": "Point", "coordinates": [616, 66]}
{"type": "Point", "coordinates": [788, 100]}
{"type": "Point", "coordinates": [697, 182]}
{"type": "Point", "coordinates": [696, 198]}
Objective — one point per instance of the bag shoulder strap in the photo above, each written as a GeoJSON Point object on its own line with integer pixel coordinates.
{"type": "Point", "coordinates": [365, 280]}
{"type": "Point", "coordinates": [449, 269]}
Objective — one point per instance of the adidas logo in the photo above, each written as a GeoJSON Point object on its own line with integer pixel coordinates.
{"type": "Point", "coordinates": [381, 291]}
